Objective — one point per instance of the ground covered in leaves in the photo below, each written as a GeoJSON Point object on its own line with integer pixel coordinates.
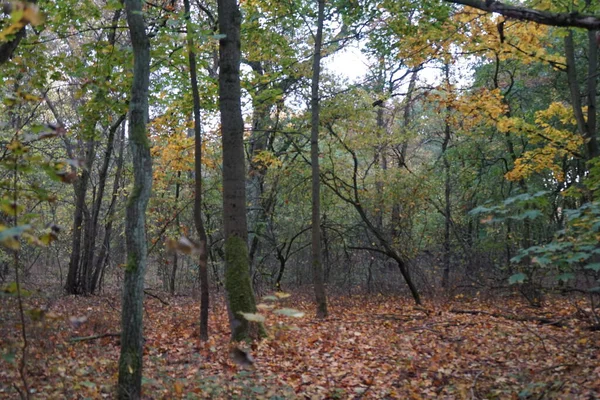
{"type": "Point", "coordinates": [370, 347]}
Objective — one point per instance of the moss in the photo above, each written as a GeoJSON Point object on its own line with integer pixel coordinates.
{"type": "Point", "coordinates": [132, 263]}
{"type": "Point", "coordinates": [130, 367]}
{"type": "Point", "coordinates": [239, 291]}
{"type": "Point", "coordinates": [134, 195]}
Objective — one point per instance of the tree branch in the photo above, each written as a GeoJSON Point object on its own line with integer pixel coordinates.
{"type": "Point", "coordinates": [573, 19]}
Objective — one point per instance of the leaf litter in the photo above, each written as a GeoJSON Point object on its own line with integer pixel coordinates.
{"type": "Point", "coordinates": [371, 347]}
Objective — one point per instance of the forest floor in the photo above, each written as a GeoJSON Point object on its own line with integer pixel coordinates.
{"type": "Point", "coordinates": [370, 347]}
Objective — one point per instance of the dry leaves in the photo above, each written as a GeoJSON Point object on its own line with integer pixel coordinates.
{"type": "Point", "coordinates": [381, 347]}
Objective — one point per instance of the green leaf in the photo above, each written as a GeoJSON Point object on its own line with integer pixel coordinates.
{"type": "Point", "coordinates": [480, 210]}
{"type": "Point", "coordinates": [517, 278]}
{"type": "Point", "coordinates": [253, 317]}
{"type": "Point", "coordinates": [577, 257]}
{"type": "Point", "coordinates": [594, 266]}
{"type": "Point", "coordinates": [270, 298]}
{"type": "Point", "coordinates": [9, 357]}
{"type": "Point", "coordinates": [88, 384]}
{"type": "Point", "coordinates": [290, 312]}
{"type": "Point", "coordinates": [531, 214]}
{"type": "Point", "coordinates": [565, 277]}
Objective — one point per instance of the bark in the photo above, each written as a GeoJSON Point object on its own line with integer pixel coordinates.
{"type": "Point", "coordinates": [7, 49]}
{"type": "Point", "coordinates": [447, 208]}
{"type": "Point", "coordinates": [74, 283]}
{"type": "Point", "coordinates": [574, 84]}
{"type": "Point", "coordinates": [317, 262]}
{"type": "Point", "coordinates": [103, 256]}
{"type": "Point", "coordinates": [593, 148]}
{"type": "Point", "coordinates": [90, 243]}
{"type": "Point", "coordinates": [200, 229]}
{"type": "Point", "coordinates": [173, 272]}
{"type": "Point", "coordinates": [237, 277]}
{"type": "Point", "coordinates": [571, 19]}
{"type": "Point", "coordinates": [130, 361]}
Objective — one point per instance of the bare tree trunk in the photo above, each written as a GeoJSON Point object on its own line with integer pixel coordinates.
{"type": "Point", "coordinates": [74, 284]}
{"type": "Point", "coordinates": [592, 82]}
{"type": "Point", "coordinates": [447, 208]}
{"type": "Point", "coordinates": [92, 230]}
{"type": "Point", "coordinates": [237, 275]}
{"type": "Point", "coordinates": [103, 256]}
{"type": "Point", "coordinates": [586, 128]}
{"type": "Point", "coordinates": [172, 275]}
{"type": "Point", "coordinates": [203, 256]}
{"type": "Point", "coordinates": [317, 258]}
{"type": "Point", "coordinates": [130, 361]}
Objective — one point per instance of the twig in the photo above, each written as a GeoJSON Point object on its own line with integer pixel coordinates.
{"type": "Point", "coordinates": [542, 320]}
{"type": "Point", "coordinates": [147, 293]}
{"type": "Point", "coordinates": [94, 337]}
{"type": "Point", "coordinates": [473, 388]}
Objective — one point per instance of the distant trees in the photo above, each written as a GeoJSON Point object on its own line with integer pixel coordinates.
{"type": "Point", "coordinates": [415, 177]}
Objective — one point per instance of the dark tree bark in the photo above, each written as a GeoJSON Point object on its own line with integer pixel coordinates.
{"type": "Point", "coordinates": [586, 127]}
{"type": "Point", "coordinates": [130, 361]}
{"type": "Point", "coordinates": [74, 283]}
{"type": "Point", "coordinates": [103, 255]}
{"type": "Point", "coordinates": [572, 19]}
{"type": "Point", "coordinates": [8, 48]}
{"type": "Point", "coordinates": [173, 272]}
{"type": "Point", "coordinates": [203, 256]}
{"type": "Point", "coordinates": [89, 250]}
{"type": "Point", "coordinates": [317, 257]}
{"type": "Point", "coordinates": [447, 206]}
{"type": "Point", "coordinates": [237, 275]}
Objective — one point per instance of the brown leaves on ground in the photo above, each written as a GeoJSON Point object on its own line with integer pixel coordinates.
{"type": "Point", "coordinates": [381, 347]}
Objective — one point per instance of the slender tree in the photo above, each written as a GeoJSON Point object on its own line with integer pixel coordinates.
{"type": "Point", "coordinates": [203, 256]}
{"type": "Point", "coordinates": [317, 259]}
{"type": "Point", "coordinates": [130, 362]}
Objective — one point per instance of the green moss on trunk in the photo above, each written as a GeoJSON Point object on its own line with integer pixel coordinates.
{"type": "Point", "coordinates": [239, 291]}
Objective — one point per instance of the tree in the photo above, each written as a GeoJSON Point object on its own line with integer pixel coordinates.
{"type": "Point", "coordinates": [203, 251]}
{"type": "Point", "coordinates": [130, 361]}
{"type": "Point", "coordinates": [237, 274]}
{"type": "Point", "coordinates": [317, 257]}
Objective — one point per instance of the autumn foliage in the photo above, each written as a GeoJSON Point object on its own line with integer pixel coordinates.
{"type": "Point", "coordinates": [375, 347]}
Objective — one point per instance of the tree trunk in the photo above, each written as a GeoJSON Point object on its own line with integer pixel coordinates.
{"type": "Point", "coordinates": [317, 263]}
{"type": "Point", "coordinates": [203, 256]}
{"type": "Point", "coordinates": [130, 361]}
{"type": "Point", "coordinates": [237, 275]}
{"type": "Point", "coordinates": [103, 256]}
{"type": "Point", "coordinates": [447, 208]}
{"type": "Point", "coordinates": [74, 284]}
{"type": "Point", "coordinates": [92, 228]}
{"type": "Point", "coordinates": [592, 81]}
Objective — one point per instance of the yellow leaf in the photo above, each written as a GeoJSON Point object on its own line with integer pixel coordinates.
{"type": "Point", "coordinates": [178, 388]}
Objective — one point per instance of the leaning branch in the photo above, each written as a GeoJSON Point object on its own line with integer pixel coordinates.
{"type": "Point", "coordinates": [94, 337]}
{"type": "Point", "coordinates": [542, 320]}
{"type": "Point", "coordinates": [568, 20]}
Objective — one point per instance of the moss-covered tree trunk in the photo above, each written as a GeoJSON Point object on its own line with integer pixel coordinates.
{"type": "Point", "coordinates": [130, 362]}
{"type": "Point", "coordinates": [237, 277]}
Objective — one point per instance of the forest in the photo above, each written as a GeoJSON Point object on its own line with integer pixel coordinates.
{"type": "Point", "coordinates": [293, 199]}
